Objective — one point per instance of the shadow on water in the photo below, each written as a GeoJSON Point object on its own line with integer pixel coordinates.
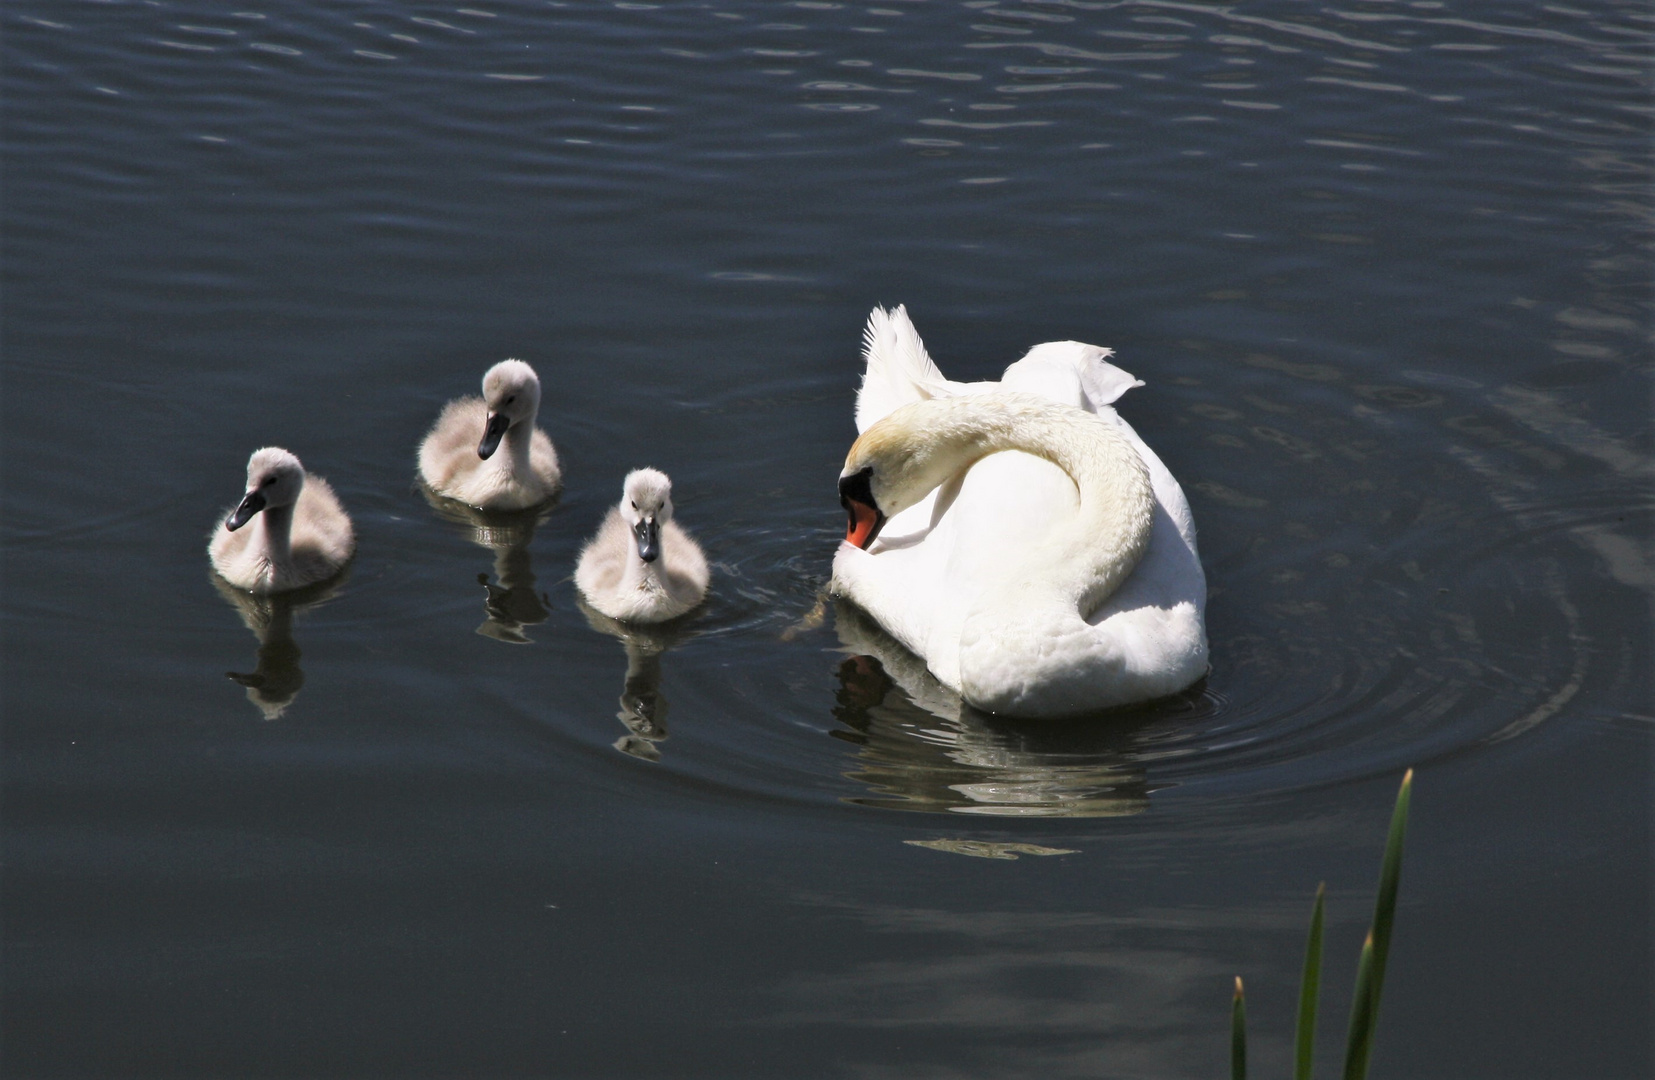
{"type": "Point", "coordinates": [921, 748]}
{"type": "Point", "coordinates": [276, 678]}
{"type": "Point", "coordinates": [643, 707]}
{"type": "Point", "coordinates": [511, 602]}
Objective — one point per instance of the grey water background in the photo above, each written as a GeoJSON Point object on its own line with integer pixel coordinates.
{"type": "Point", "coordinates": [1383, 267]}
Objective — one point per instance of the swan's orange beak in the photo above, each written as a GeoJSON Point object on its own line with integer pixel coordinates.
{"type": "Point", "coordinates": [865, 518]}
{"type": "Point", "coordinates": [864, 524]}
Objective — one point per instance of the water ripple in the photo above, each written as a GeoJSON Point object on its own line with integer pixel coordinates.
{"type": "Point", "coordinates": [1411, 549]}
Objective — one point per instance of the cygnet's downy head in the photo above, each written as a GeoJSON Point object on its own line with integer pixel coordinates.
{"type": "Point", "coordinates": [511, 391]}
{"type": "Point", "coordinates": [646, 504]}
{"type": "Point", "coordinates": [274, 478]}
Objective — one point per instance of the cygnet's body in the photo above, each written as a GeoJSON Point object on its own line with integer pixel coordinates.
{"type": "Point", "coordinates": [641, 566]}
{"type": "Point", "coordinates": [287, 532]}
{"type": "Point", "coordinates": [459, 458]}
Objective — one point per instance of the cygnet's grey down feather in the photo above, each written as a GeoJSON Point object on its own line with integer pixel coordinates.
{"type": "Point", "coordinates": [614, 573]}
{"type": "Point", "coordinates": [287, 532]}
{"type": "Point", "coordinates": [487, 452]}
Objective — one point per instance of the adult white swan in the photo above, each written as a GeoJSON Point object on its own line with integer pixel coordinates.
{"type": "Point", "coordinates": [1017, 535]}
{"type": "Point", "coordinates": [458, 459]}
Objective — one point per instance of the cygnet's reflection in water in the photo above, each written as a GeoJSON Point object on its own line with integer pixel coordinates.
{"type": "Point", "coordinates": [511, 602]}
{"type": "Point", "coordinates": [922, 748]}
{"type": "Point", "coordinates": [276, 677]}
{"type": "Point", "coordinates": [643, 709]}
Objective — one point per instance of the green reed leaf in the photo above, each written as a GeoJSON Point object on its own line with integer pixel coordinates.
{"type": "Point", "coordinates": [1384, 908]}
{"type": "Point", "coordinates": [1371, 971]}
{"type": "Point", "coordinates": [1310, 986]}
{"type": "Point", "coordinates": [1359, 1044]}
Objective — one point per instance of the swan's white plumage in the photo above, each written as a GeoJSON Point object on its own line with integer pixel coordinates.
{"type": "Point", "coordinates": [300, 537]}
{"type": "Point", "coordinates": [899, 369]}
{"type": "Point", "coordinates": [522, 472]}
{"type": "Point", "coordinates": [936, 563]}
{"type": "Point", "coordinates": [614, 577]}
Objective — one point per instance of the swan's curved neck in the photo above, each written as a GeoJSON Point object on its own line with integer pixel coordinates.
{"type": "Point", "coordinates": [1085, 561]}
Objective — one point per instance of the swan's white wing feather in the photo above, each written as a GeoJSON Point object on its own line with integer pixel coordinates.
{"type": "Point", "coordinates": [899, 371]}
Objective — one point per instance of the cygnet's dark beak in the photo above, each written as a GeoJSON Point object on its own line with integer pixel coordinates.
{"type": "Point", "coordinates": [865, 519]}
{"type": "Point", "coordinates": [649, 539]}
{"type": "Point", "coordinates": [496, 430]}
{"type": "Point", "coordinates": [250, 505]}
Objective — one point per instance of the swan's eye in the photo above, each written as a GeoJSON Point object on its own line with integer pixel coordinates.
{"type": "Point", "coordinates": [268, 481]}
{"type": "Point", "coordinates": [510, 398]}
{"type": "Point", "coordinates": [634, 504]}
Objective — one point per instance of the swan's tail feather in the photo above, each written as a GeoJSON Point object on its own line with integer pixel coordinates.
{"type": "Point", "coordinates": [899, 371]}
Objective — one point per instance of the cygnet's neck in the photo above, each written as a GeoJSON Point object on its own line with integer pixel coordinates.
{"type": "Point", "coordinates": [516, 446]}
{"type": "Point", "coordinates": [275, 537]}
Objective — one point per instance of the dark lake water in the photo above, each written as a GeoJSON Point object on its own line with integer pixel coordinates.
{"type": "Point", "coordinates": [1382, 265]}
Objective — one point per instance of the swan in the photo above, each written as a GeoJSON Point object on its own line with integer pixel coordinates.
{"type": "Point", "coordinates": [642, 566]}
{"type": "Point", "coordinates": [457, 458]}
{"type": "Point", "coordinates": [1058, 578]}
{"type": "Point", "coordinates": [297, 533]}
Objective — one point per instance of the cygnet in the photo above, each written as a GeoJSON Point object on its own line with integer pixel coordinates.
{"type": "Point", "coordinates": [642, 566]}
{"type": "Point", "coordinates": [296, 532]}
{"type": "Point", "coordinates": [458, 458]}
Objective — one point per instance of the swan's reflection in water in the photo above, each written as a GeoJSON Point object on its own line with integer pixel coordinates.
{"type": "Point", "coordinates": [511, 602]}
{"type": "Point", "coordinates": [643, 708]}
{"type": "Point", "coordinates": [276, 677]}
{"type": "Point", "coordinates": [921, 748]}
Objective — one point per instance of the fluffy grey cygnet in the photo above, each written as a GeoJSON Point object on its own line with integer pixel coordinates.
{"type": "Point", "coordinates": [287, 532]}
{"type": "Point", "coordinates": [642, 566]}
{"type": "Point", "coordinates": [459, 458]}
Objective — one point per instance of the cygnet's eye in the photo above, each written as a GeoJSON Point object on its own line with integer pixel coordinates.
{"type": "Point", "coordinates": [510, 398]}
{"type": "Point", "coordinates": [268, 481]}
{"type": "Point", "coordinates": [634, 504]}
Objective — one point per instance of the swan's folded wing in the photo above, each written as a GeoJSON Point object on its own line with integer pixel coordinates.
{"type": "Point", "coordinates": [899, 371]}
